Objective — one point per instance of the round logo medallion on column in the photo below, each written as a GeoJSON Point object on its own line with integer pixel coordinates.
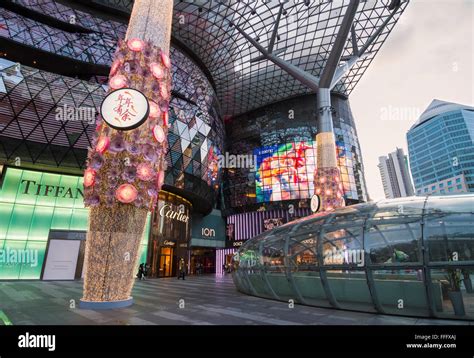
{"type": "Point", "coordinates": [315, 203]}
{"type": "Point", "coordinates": [125, 109]}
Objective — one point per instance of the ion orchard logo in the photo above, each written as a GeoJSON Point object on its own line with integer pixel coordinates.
{"type": "Point", "coordinates": [71, 113]}
{"type": "Point", "coordinates": [10, 256]}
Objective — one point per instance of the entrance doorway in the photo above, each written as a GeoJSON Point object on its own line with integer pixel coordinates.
{"type": "Point", "coordinates": [203, 260]}
{"type": "Point", "coordinates": [166, 262]}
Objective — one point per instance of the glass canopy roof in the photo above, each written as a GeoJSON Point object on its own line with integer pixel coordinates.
{"type": "Point", "coordinates": [305, 35]}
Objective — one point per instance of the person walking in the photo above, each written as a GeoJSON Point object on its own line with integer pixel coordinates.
{"type": "Point", "coordinates": [181, 269]}
{"type": "Point", "coordinates": [141, 271]}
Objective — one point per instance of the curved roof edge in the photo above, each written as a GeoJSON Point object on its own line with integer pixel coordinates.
{"type": "Point", "coordinates": [438, 107]}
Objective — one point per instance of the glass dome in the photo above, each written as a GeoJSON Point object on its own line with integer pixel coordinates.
{"type": "Point", "coordinates": [410, 256]}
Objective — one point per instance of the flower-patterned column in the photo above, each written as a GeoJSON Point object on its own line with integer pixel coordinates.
{"type": "Point", "coordinates": [327, 177]}
{"type": "Point", "coordinates": [126, 169]}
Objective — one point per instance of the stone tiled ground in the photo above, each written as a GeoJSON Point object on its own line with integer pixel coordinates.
{"type": "Point", "coordinates": [208, 300]}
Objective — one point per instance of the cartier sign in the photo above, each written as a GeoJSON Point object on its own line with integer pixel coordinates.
{"type": "Point", "coordinates": [167, 211]}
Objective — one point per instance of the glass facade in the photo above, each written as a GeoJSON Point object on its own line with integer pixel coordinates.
{"type": "Point", "coordinates": [410, 256]}
{"type": "Point", "coordinates": [33, 203]}
{"type": "Point", "coordinates": [441, 146]}
{"type": "Point", "coordinates": [283, 135]}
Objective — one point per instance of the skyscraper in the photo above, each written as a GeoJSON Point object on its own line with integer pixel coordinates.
{"type": "Point", "coordinates": [441, 149]}
{"type": "Point", "coordinates": [395, 175]}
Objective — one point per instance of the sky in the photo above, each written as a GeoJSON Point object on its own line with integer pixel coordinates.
{"type": "Point", "coordinates": [428, 55]}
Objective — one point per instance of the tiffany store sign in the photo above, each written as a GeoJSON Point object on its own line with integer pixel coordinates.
{"type": "Point", "coordinates": [31, 187]}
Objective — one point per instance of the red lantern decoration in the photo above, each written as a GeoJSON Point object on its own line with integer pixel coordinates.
{"type": "Point", "coordinates": [89, 177]}
{"type": "Point", "coordinates": [159, 134]}
{"type": "Point", "coordinates": [126, 193]}
{"type": "Point", "coordinates": [154, 109]}
{"type": "Point", "coordinates": [102, 144]}
{"type": "Point", "coordinates": [135, 45]}
{"type": "Point", "coordinates": [117, 82]}
{"type": "Point", "coordinates": [166, 60]}
{"type": "Point", "coordinates": [156, 70]}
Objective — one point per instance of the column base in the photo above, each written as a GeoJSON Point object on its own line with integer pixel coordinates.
{"type": "Point", "coordinates": [105, 305]}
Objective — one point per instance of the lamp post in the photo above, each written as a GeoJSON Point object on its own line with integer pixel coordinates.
{"type": "Point", "coordinates": [126, 164]}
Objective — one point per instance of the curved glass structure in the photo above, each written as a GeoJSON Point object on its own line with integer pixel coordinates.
{"type": "Point", "coordinates": [411, 256]}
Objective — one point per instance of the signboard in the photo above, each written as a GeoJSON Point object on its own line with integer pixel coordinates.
{"type": "Point", "coordinates": [315, 203]}
{"type": "Point", "coordinates": [234, 244]}
{"type": "Point", "coordinates": [61, 261]}
{"type": "Point", "coordinates": [125, 109]}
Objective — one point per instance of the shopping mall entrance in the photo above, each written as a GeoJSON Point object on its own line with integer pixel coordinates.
{"type": "Point", "coordinates": [170, 235]}
{"type": "Point", "coordinates": [203, 260]}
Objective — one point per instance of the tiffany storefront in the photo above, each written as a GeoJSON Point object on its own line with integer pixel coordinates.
{"type": "Point", "coordinates": [43, 226]}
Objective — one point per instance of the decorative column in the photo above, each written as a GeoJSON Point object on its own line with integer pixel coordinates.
{"type": "Point", "coordinates": [327, 177]}
{"type": "Point", "coordinates": [126, 165]}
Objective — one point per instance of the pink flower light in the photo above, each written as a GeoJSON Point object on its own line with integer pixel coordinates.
{"type": "Point", "coordinates": [135, 45]}
{"type": "Point", "coordinates": [145, 172]}
{"type": "Point", "coordinates": [156, 70]}
{"type": "Point", "coordinates": [89, 177]}
{"type": "Point", "coordinates": [159, 134]}
{"type": "Point", "coordinates": [102, 144]}
{"type": "Point", "coordinates": [166, 60]}
{"type": "Point", "coordinates": [117, 82]}
{"type": "Point", "coordinates": [126, 193]}
{"type": "Point", "coordinates": [115, 66]}
{"type": "Point", "coordinates": [154, 109]}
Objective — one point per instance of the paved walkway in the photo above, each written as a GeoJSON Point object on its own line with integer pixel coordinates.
{"type": "Point", "coordinates": [208, 300]}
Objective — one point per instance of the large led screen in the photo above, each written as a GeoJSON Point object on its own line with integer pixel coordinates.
{"type": "Point", "coordinates": [285, 171]}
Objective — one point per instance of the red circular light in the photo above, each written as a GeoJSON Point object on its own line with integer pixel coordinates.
{"type": "Point", "coordinates": [159, 134]}
{"type": "Point", "coordinates": [156, 70]}
{"type": "Point", "coordinates": [166, 60]}
{"type": "Point", "coordinates": [115, 66]}
{"type": "Point", "coordinates": [322, 180]}
{"type": "Point", "coordinates": [117, 82]}
{"type": "Point", "coordinates": [102, 144]}
{"type": "Point", "coordinates": [135, 45]}
{"type": "Point", "coordinates": [89, 177]}
{"type": "Point", "coordinates": [126, 193]}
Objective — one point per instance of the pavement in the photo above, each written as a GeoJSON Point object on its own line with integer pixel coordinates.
{"type": "Point", "coordinates": [199, 300]}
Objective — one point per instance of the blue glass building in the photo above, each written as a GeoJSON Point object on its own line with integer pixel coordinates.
{"type": "Point", "coordinates": [441, 149]}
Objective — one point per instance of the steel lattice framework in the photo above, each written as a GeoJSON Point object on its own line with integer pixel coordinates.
{"type": "Point", "coordinates": [301, 33]}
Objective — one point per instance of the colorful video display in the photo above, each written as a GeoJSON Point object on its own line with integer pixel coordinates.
{"type": "Point", "coordinates": [285, 172]}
